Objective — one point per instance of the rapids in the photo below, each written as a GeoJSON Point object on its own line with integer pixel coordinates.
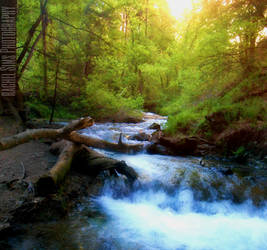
{"type": "Point", "coordinates": [176, 204]}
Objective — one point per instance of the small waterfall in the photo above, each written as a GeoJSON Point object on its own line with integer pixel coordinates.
{"type": "Point", "coordinates": [176, 204]}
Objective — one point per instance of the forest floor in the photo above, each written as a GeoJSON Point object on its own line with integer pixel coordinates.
{"type": "Point", "coordinates": [20, 168]}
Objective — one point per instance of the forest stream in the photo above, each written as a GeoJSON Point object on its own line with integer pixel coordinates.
{"type": "Point", "coordinates": [175, 204]}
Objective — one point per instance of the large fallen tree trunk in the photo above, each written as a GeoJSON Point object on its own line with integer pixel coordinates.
{"type": "Point", "coordinates": [34, 134]}
{"type": "Point", "coordinates": [98, 143]}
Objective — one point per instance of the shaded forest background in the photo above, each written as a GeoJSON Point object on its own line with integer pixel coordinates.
{"type": "Point", "coordinates": [112, 58]}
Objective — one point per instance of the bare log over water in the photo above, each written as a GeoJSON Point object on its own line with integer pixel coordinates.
{"type": "Point", "coordinates": [69, 132]}
{"type": "Point", "coordinates": [33, 134]}
{"type": "Point", "coordinates": [98, 143]}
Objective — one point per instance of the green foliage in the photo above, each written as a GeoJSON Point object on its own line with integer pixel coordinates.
{"type": "Point", "coordinates": [41, 110]}
{"type": "Point", "coordinates": [117, 56]}
{"type": "Point", "coordinates": [38, 109]}
{"type": "Point", "coordinates": [240, 151]}
{"type": "Point", "coordinates": [64, 113]}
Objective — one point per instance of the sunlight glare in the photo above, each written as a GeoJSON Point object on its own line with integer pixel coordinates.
{"type": "Point", "coordinates": [263, 32]}
{"type": "Point", "coordinates": [178, 7]}
{"type": "Point", "coordinates": [262, 35]}
{"type": "Point", "coordinates": [235, 40]}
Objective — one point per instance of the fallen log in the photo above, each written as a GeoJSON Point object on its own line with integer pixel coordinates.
{"type": "Point", "coordinates": [69, 132]}
{"type": "Point", "coordinates": [33, 134]}
{"type": "Point", "coordinates": [48, 183]}
{"type": "Point", "coordinates": [83, 160]}
{"type": "Point", "coordinates": [98, 143]}
{"type": "Point", "coordinates": [90, 162]}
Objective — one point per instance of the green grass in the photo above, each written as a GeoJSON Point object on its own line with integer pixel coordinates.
{"type": "Point", "coordinates": [191, 120]}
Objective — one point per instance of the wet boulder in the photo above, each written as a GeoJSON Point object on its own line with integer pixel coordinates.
{"type": "Point", "coordinates": [250, 137]}
{"type": "Point", "coordinates": [243, 171]}
{"type": "Point", "coordinates": [180, 146]}
{"type": "Point", "coordinates": [156, 148]}
{"type": "Point", "coordinates": [210, 162]}
{"type": "Point", "coordinates": [124, 169]}
{"type": "Point", "coordinates": [156, 136]}
{"type": "Point", "coordinates": [140, 137]}
{"type": "Point", "coordinates": [216, 122]}
{"type": "Point", "coordinates": [155, 126]}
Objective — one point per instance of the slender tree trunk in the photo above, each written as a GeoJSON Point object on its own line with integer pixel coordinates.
{"type": "Point", "coordinates": [29, 39]}
{"type": "Point", "coordinates": [251, 53]}
{"type": "Point", "coordinates": [167, 81]}
{"type": "Point", "coordinates": [44, 26]}
{"type": "Point", "coordinates": [55, 93]}
{"type": "Point", "coordinates": [141, 82]}
{"type": "Point", "coordinates": [29, 57]}
{"type": "Point", "coordinates": [161, 81]}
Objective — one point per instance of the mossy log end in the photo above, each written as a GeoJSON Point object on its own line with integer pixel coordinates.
{"type": "Point", "coordinates": [33, 134]}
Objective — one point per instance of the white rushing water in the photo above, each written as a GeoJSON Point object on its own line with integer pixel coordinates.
{"type": "Point", "coordinates": [177, 205]}
{"type": "Point", "coordinates": [111, 131]}
{"type": "Point", "coordinates": [148, 222]}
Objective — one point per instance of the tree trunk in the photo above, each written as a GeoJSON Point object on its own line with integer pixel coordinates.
{"type": "Point", "coordinates": [29, 56]}
{"type": "Point", "coordinates": [29, 39]}
{"type": "Point", "coordinates": [44, 26]}
{"type": "Point", "coordinates": [141, 82]}
{"type": "Point", "coordinates": [55, 93]}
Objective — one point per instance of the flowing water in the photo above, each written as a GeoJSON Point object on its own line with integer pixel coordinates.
{"type": "Point", "coordinates": [175, 204]}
